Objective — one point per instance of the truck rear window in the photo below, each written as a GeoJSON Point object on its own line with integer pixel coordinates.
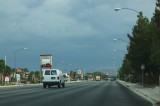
{"type": "Point", "coordinates": [53, 72]}
{"type": "Point", "coordinates": [47, 72]}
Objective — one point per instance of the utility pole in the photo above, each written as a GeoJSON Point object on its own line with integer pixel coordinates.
{"type": "Point", "coordinates": [5, 61]}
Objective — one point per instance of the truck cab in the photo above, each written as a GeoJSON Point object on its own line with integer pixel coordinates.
{"type": "Point", "coordinates": [52, 77]}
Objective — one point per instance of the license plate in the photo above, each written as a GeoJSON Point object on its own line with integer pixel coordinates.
{"type": "Point", "coordinates": [52, 78]}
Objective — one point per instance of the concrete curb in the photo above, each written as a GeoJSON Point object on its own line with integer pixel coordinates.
{"type": "Point", "coordinates": [138, 90]}
{"type": "Point", "coordinates": [10, 86]}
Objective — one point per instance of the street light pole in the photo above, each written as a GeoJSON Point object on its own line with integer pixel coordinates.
{"type": "Point", "coordinates": [142, 66]}
{"type": "Point", "coordinates": [15, 56]}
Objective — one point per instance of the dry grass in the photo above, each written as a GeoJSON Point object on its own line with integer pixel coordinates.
{"type": "Point", "coordinates": [158, 103]}
{"type": "Point", "coordinates": [148, 85]}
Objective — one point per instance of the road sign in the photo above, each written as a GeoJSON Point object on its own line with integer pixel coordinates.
{"type": "Point", "coordinates": [19, 70]}
{"type": "Point", "coordinates": [6, 78]}
{"type": "Point", "coordinates": [142, 66]}
{"type": "Point", "coordinates": [18, 77]}
{"type": "Point", "coordinates": [79, 71]}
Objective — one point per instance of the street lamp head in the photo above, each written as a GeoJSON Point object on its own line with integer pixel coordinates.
{"type": "Point", "coordinates": [114, 50]}
{"type": "Point", "coordinates": [116, 9]}
{"type": "Point", "coordinates": [114, 39]}
{"type": "Point", "coordinates": [25, 48]}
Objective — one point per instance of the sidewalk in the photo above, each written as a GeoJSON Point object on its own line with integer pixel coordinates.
{"type": "Point", "coordinates": [151, 94]}
{"type": "Point", "coordinates": [18, 84]}
{"type": "Point", "coordinates": [22, 84]}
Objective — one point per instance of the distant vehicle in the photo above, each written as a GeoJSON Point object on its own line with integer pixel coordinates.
{"type": "Point", "coordinates": [113, 79]}
{"type": "Point", "coordinates": [98, 78]}
{"type": "Point", "coordinates": [105, 79]}
{"type": "Point", "coordinates": [53, 77]}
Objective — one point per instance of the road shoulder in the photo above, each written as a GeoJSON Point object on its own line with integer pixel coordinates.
{"type": "Point", "coordinates": [150, 94]}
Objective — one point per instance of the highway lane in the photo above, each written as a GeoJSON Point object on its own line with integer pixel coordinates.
{"type": "Point", "coordinates": [94, 93]}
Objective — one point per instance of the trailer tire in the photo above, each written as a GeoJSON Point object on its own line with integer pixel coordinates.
{"type": "Point", "coordinates": [59, 84]}
{"type": "Point", "coordinates": [44, 85]}
{"type": "Point", "coordinates": [63, 85]}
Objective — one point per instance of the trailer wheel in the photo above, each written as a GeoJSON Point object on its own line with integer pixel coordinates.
{"type": "Point", "coordinates": [63, 85]}
{"type": "Point", "coordinates": [44, 85]}
{"type": "Point", "coordinates": [59, 84]}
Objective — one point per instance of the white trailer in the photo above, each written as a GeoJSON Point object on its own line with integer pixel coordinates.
{"type": "Point", "coordinates": [53, 77]}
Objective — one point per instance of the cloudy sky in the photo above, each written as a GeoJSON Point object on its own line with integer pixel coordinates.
{"type": "Point", "coordinates": [76, 32]}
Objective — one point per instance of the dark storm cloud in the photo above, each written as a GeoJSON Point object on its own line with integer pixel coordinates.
{"type": "Point", "coordinates": [79, 32]}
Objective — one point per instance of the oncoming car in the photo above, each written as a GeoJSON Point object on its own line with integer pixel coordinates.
{"type": "Point", "coordinates": [53, 77]}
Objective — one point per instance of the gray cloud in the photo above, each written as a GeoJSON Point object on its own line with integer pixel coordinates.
{"type": "Point", "coordinates": [79, 32]}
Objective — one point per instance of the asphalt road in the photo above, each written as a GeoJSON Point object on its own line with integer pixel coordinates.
{"type": "Point", "coordinates": [94, 93]}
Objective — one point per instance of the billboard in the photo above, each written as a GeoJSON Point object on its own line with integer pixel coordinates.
{"type": "Point", "coordinates": [46, 59]}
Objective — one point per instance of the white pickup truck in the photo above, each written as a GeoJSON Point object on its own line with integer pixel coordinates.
{"type": "Point", "coordinates": [52, 77]}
